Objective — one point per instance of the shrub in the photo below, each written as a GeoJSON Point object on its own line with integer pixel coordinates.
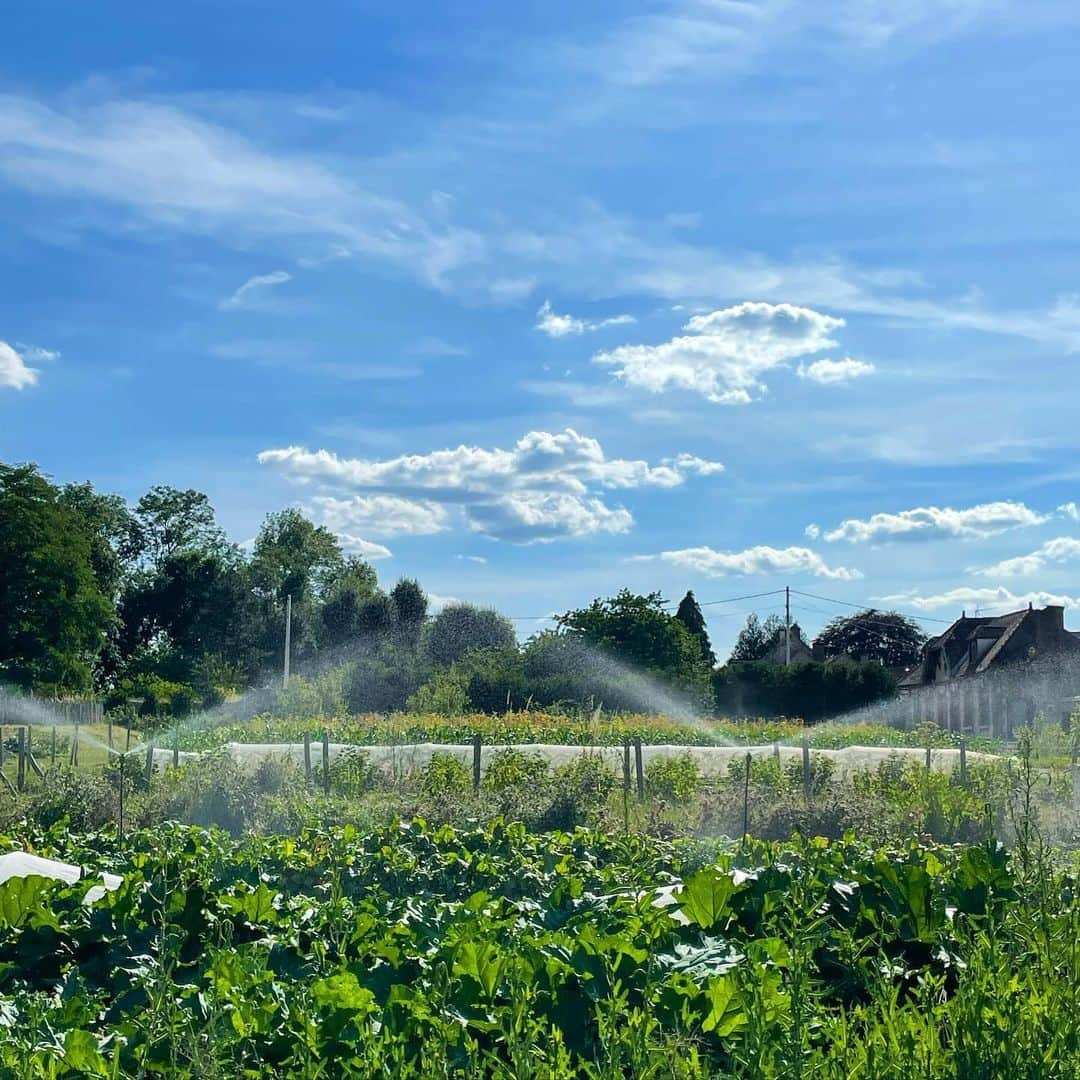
{"type": "Point", "coordinates": [511, 768]}
{"type": "Point", "coordinates": [673, 779]}
{"type": "Point", "coordinates": [445, 774]}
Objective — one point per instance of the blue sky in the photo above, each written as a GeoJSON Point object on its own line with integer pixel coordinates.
{"type": "Point", "coordinates": [496, 292]}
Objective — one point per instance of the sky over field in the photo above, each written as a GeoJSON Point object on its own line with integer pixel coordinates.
{"type": "Point", "coordinates": [537, 301]}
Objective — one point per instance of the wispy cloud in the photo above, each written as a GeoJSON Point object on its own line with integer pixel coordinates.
{"type": "Point", "coordinates": [557, 326]}
{"type": "Point", "coordinates": [1060, 550]}
{"type": "Point", "coordinates": [991, 600]}
{"type": "Point", "coordinates": [251, 292]}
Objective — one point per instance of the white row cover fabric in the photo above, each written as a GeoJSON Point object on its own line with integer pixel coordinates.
{"type": "Point", "coordinates": [19, 864]}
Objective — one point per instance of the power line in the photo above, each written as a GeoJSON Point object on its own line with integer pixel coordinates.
{"type": "Point", "coordinates": [848, 603]}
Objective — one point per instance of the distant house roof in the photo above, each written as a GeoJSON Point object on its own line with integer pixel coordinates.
{"type": "Point", "coordinates": [973, 645]}
{"type": "Point", "coordinates": [801, 653]}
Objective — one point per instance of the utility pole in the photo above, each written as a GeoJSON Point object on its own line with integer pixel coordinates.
{"type": "Point", "coordinates": [787, 625]}
{"type": "Point", "coordinates": [288, 638]}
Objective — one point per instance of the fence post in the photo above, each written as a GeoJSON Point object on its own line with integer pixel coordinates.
{"type": "Point", "coordinates": [307, 759]}
{"type": "Point", "coordinates": [326, 763]}
{"type": "Point", "coordinates": [52, 752]}
{"type": "Point", "coordinates": [75, 746]}
{"type": "Point", "coordinates": [746, 800]}
{"type": "Point", "coordinates": [927, 757]}
{"type": "Point", "coordinates": [110, 734]}
{"type": "Point", "coordinates": [963, 762]}
{"type": "Point", "coordinates": [176, 747]}
{"type": "Point", "coordinates": [149, 772]}
{"type": "Point", "coordinates": [1, 746]}
{"type": "Point", "coordinates": [20, 782]}
{"type": "Point", "coordinates": [626, 786]}
{"type": "Point", "coordinates": [806, 779]}
{"type": "Point", "coordinates": [639, 768]}
{"type": "Point", "coordinates": [127, 739]}
{"type": "Point", "coordinates": [476, 763]}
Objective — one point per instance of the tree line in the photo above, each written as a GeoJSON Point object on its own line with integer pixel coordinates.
{"type": "Point", "coordinates": [150, 606]}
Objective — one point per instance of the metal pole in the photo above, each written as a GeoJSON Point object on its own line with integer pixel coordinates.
{"type": "Point", "coordinates": [787, 625]}
{"type": "Point", "coordinates": [288, 639]}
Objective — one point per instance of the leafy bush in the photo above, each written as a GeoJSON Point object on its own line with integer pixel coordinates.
{"type": "Point", "coordinates": [673, 779]}
{"type": "Point", "coordinates": [445, 775]}
{"type": "Point", "coordinates": [511, 768]}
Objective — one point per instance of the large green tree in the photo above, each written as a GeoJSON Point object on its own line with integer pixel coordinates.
{"type": "Point", "coordinates": [888, 637]}
{"type": "Point", "coordinates": [54, 616]}
{"type": "Point", "coordinates": [689, 614]}
{"type": "Point", "coordinates": [637, 631]}
{"type": "Point", "coordinates": [459, 628]}
{"type": "Point", "coordinates": [756, 638]}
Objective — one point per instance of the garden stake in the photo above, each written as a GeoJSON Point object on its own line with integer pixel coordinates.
{"type": "Point", "coordinates": [21, 774]}
{"type": "Point", "coordinates": [963, 762]}
{"type": "Point", "coordinates": [149, 762]}
{"type": "Point", "coordinates": [806, 765]}
{"type": "Point", "coordinates": [476, 763]}
{"type": "Point", "coordinates": [626, 787]}
{"type": "Point", "coordinates": [326, 764]}
{"type": "Point", "coordinates": [307, 759]}
{"type": "Point", "coordinates": [746, 800]}
{"type": "Point", "coordinates": [639, 767]}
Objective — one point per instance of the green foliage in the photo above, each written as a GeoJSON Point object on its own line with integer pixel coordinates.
{"type": "Point", "coordinates": [882, 636]}
{"type": "Point", "coordinates": [54, 614]}
{"type": "Point", "coordinates": [756, 638]}
{"type": "Point", "coordinates": [418, 951]}
{"type": "Point", "coordinates": [460, 628]}
{"type": "Point", "coordinates": [673, 779]}
{"type": "Point", "coordinates": [444, 775]}
{"type": "Point", "coordinates": [689, 614]}
{"type": "Point", "coordinates": [809, 691]}
{"type": "Point", "coordinates": [510, 768]}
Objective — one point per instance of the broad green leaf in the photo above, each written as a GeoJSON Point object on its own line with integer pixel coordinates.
{"type": "Point", "coordinates": [81, 1053]}
{"type": "Point", "coordinates": [705, 897]}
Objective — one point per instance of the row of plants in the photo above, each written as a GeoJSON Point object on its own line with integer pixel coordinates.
{"type": "Point", "coordinates": [595, 728]}
{"type": "Point", "coordinates": [418, 950]}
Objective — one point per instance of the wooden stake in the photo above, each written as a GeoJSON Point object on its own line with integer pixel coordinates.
{"type": "Point", "coordinates": [639, 768]}
{"type": "Point", "coordinates": [806, 779]}
{"type": "Point", "coordinates": [176, 747]}
{"type": "Point", "coordinates": [307, 759]}
{"type": "Point", "coordinates": [21, 774]}
{"type": "Point", "coordinates": [52, 753]}
{"type": "Point", "coordinates": [476, 763]}
{"type": "Point", "coordinates": [326, 764]}
{"type": "Point", "coordinates": [746, 799]}
{"type": "Point", "coordinates": [963, 762]}
{"type": "Point", "coordinates": [149, 770]}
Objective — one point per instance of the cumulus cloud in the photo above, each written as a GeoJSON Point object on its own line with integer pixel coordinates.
{"type": "Point", "coordinates": [1062, 549]}
{"type": "Point", "coordinates": [1070, 510]}
{"type": "Point", "coordinates": [249, 293]}
{"type": "Point", "coordinates": [755, 560]}
{"type": "Point", "coordinates": [544, 487]}
{"type": "Point", "coordinates": [989, 600]}
{"type": "Point", "coordinates": [15, 373]}
{"type": "Point", "coordinates": [937, 522]}
{"type": "Point", "coordinates": [830, 372]}
{"type": "Point", "coordinates": [727, 352]}
{"type": "Point", "coordinates": [380, 515]}
{"type": "Point", "coordinates": [557, 326]}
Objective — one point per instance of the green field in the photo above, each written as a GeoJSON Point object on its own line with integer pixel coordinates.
{"type": "Point", "coordinates": [417, 951]}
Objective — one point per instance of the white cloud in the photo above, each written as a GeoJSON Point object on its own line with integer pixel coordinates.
{"type": "Point", "coordinates": [812, 531]}
{"type": "Point", "coordinates": [1063, 549]}
{"type": "Point", "coordinates": [935, 523]}
{"type": "Point", "coordinates": [366, 549]}
{"type": "Point", "coordinates": [727, 351]}
{"type": "Point", "coordinates": [249, 293]}
{"type": "Point", "coordinates": [478, 559]}
{"type": "Point", "coordinates": [557, 326]}
{"type": "Point", "coordinates": [14, 372]}
{"type": "Point", "coordinates": [830, 372]}
{"type": "Point", "coordinates": [755, 560]}
{"type": "Point", "coordinates": [1069, 510]}
{"type": "Point", "coordinates": [542, 488]}
{"type": "Point", "coordinates": [539, 517]}
{"type": "Point", "coordinates": [380, 515]}
{"type": "Point", "coordinates": [689, 463]}
{"type": "Point", "coordinates": [989, 601]}
{"type": "Point", "coordinates": [436, 346]}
